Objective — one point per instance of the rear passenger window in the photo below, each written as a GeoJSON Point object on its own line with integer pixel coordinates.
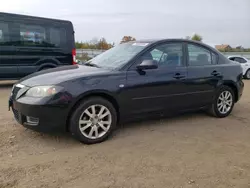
{"type": "Point", "coordinates": [57, 37]}
{"type": "Point", "coordinates": [4, 33]}
{"type": "Point", "coordinates": [41, 36]}
{"type": "Point", "coordinates": [32, 35]}
{"type": "Point", "coordinates": [199, 56]}
{"type": "Point", "coordinates": [242, 60]}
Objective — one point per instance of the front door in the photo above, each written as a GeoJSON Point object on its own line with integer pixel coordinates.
{"type": "Point", "coordinates": [157, 89]}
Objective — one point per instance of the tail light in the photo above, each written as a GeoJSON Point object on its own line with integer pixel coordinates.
{"type": "Point", "coordinates": [74, 56]}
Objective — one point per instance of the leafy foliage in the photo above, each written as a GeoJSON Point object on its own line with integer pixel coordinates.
{"type": "Point", "coordinates": [197, 37]}
{"type": "Point", "coordinates": [235, 50]}
{"type": "Point", "coordinates": [127, 39]}
{"type": "Point", "coordinates": [101, 44]}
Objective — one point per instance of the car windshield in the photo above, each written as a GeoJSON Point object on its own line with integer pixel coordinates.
{"type": "Point", "coordinates": [117, 56]}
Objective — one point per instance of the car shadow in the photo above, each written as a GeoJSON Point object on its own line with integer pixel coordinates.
{"type": "Point", "coordinates": [161, 120]}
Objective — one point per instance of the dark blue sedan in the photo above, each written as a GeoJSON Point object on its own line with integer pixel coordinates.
{"type": "Point", "coordinates": [131, 80]}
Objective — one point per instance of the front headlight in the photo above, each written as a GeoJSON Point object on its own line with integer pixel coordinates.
{"type": "Point", "coordinates": [43, 91]}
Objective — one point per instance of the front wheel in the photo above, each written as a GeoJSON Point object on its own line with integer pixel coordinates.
{"type": "Point", "coordinates": [223, 103]}
{"type": "Point", "coordinates": [93, 120]}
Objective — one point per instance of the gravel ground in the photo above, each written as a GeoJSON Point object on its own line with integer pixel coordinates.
{"type": "Point", "coordinates": [172, 152]}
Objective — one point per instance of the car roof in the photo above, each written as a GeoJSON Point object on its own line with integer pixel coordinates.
{"type": "Point", "coordinates": [155, 41]}
{"type": "Point", "coordinates": [10, 15]}
{"type": "Point", "coordinates": [235, 56]}
{"type": "Point", "coordinates": [165, 40]}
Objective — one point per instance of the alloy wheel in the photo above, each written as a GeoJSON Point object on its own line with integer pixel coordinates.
{"type": "Point", "coordinates": [225, 102]}
{"type": "Point", "coordinates": [95, 121]}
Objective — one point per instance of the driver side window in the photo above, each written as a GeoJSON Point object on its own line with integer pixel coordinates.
{"type": "Point", "coordinates": [169, 54]}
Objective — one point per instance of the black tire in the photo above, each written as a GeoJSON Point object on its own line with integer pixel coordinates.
{"type": "Point", "coordinates": [214, 110]}
{"type": "Point", "coordinates": [247, 74]}
{"type": "Point", "coordinates": [74, 120]}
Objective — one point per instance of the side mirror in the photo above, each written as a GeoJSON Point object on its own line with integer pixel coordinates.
{"type": "Point", "coordinates": [147, 64]}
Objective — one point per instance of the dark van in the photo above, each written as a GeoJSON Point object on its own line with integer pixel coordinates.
{"type": "Point", "coordinates": [29, 44]}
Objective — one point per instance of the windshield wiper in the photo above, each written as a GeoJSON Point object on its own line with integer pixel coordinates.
{"type": "Point", "coordinates": [91, 65]}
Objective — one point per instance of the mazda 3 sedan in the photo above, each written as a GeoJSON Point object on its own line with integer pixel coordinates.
{"type": "Point", "coordinates": [131, 80]}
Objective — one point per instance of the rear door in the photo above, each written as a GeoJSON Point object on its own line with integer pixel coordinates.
{"type": "Point", "coordinates": [8, 69]}
{"type": "Point", "coordinates": [204, 74]}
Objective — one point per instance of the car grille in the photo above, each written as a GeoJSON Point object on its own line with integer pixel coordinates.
{"type": "Point", "coordinates": [16, 114]}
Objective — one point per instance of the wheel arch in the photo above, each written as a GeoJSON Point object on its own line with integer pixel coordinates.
{"type": "Point", "coordinates": [103, 94]}
{"type": "Point", "coordinates": [42, 63]}
{"type": "Point", "coordinates": [245, 75]}
{"type": "Point", "coordinates": [234, 88]}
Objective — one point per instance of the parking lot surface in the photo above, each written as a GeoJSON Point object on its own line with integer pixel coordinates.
{"type": "Point", "coordinates": [192, 150]}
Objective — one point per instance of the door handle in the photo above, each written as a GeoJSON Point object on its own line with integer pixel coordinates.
{"type": "Point", "coordinates": [215, 73]}
{"type": "Point", "coordinates": [178, 76]}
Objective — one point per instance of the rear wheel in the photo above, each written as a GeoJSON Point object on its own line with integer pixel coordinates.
{"type": "Point", "coordinates": [93, 120]}
{"type": "Point", "coordinates": [247, 74]}
{"type": "Point", "coordinates": [223, 103]}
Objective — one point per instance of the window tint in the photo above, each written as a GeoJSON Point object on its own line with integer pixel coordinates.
{"type": "Point", "coordinates": [38, 35]}
{"type": "Point", "coordinates": [243, 60]}
{"type": "Point", "coordinates": [4, 33]}
{"type": "Point", "coordinates": [57, 37]}
{"type": "Point", "coordinates": [214, 58]}
{"type": "Point", "coordinates": [199, 56]}
{"type": "Point", "coordinates": [156, 54]}
{"type": "Point", "coordinates": [32, 35]}
{"type": "Point", "coordinates": [237, 59]}
{"type": "Point", "coordinates": [166, 55]}
{"type": "Point", "coordinates": [240, 60]}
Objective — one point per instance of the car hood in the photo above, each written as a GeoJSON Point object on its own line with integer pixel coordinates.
{"type": "Point", "coordinates": [61, 74]}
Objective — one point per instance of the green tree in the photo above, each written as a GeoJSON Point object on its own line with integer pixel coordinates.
{"type": "Point", "coordinates": [102, 44]}
{"type": "Point", "coordinates": [78, 44]}
{"type": "Point", "coordinates": [94, 44]}
{"type": "Point", "coordinates": [197, 37]}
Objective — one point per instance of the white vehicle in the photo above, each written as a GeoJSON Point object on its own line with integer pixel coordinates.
{"type": "Point", "coordinates": [245, 64]}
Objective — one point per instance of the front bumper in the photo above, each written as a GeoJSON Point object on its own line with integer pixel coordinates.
{"type": "Point", "coordinates": [40, 117]}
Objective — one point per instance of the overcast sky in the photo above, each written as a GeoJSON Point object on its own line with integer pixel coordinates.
{"type": "Point", "coordinates": [218, 21]}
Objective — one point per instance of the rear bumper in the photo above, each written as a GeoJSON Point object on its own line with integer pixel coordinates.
{"type": "Point", "coordinates": [240, 86]}
{"type": "Point", "coordinates": [40, 117]}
